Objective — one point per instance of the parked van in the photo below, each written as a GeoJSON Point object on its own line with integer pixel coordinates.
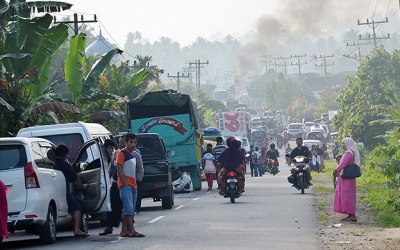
{"type": "Point", "coordinates": [92, 159]}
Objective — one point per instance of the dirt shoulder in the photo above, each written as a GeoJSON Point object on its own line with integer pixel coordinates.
{"type": "Point", "coordinates": [364, 234]}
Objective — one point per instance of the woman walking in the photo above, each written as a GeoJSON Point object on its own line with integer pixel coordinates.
{"type": "Point", "coordinates": [345, 193]}
{"type": "Point", "coordinates": [209, 163]}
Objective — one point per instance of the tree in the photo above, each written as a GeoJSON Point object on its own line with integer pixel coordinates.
{"type": "Point", "coordinates": [367, 97]}
{"type": "Point", "coordinates": [327, 102]}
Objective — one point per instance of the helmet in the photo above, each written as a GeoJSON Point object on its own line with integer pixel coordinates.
{"type": "Point", "coordinates": [272, 145]}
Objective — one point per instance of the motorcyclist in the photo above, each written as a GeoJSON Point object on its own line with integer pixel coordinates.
{"type": "Point", "coordinates": [301, 150]}
{"type": "Point", "coordinates": [288, 149]}
{"type": "Point", "coordinates": [231, 159]}
{"type": "Point", "coordinates": [272, 154]}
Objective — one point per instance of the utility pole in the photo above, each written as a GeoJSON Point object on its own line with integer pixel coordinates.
{"type": "Point", "coordinates": [299, 63]}
{"type": "Point", "coordinates": [198, 65]}
{"type": "Point", "coordinates": [358, 46]}
{"type": "Point", "coordinates": [266, 61]}
{"type": "Point", "coordinates": [285, 64]}
{"type": "Point", "coordinates": [324, 63]}
{"type": "Point", "coordinates": [178, 78]}
{"type": "Point", "coordinates": [374, 25]}
{"type": "Point", "coordinates": [275, 59]}
{"type": "Point", "coordinates": [76, 22]}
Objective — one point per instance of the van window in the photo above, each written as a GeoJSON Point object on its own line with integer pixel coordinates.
{"type": "Point", "coordinates": [73, 141]}
{"type": "Point", "coordinates": [12, 156]}
{"type": "Point", "coordinates": [295, 126]}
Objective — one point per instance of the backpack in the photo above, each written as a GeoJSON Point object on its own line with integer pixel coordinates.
{"type": "Point", "coordinates": [255, 157]}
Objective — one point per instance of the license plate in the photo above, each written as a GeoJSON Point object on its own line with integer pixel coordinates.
{"type": "Point", "coordinates": [231, 180]}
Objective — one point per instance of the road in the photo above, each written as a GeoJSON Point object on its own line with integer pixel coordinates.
{"type": "Point", "coordinates": [270, 215]}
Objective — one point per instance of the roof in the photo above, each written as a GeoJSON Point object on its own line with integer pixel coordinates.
{"type": "Point", "coordinates": [21, 139]}
{"type": "Point", "coordinates": [100, 46]}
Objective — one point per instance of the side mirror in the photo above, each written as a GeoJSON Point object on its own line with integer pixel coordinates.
{"type": "Point", "coordinates": [171, 153]}
{"type": "Point", "coordinates": [287, 155]}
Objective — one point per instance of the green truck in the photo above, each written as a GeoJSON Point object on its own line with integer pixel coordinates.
{"type": "Point", "coordinates": [173, 116]}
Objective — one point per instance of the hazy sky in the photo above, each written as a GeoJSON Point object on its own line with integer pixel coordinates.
{"type": "Point", "coordinates": [185, 20]}
{"type": "Point", "coordinates": [181, 20]}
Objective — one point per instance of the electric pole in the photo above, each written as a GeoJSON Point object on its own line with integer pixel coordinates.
{"type": "Point", "coordinates": [198, 65]}
{"type": "Point", "coordinates": [374, 25]}
{"type": "Point", "coordinates": [266, 61]}
{"type": "Point", "coordinates": [76, 22]}
{"type": "Point", "coordinates": [299, 63]}
{"type": "Point", "coordinates": [285, 64]}
{"type": "Point", "coordinates": [178, 78]}
{"type": "Point", "coordinates": [358, 46]}
{"type": "Point", "coordinates": [324, 63]}
{"type": "Point", "coordinates": [275, 59]}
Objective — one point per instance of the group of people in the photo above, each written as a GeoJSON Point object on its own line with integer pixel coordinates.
{"type": "Point", "coordinates": [260, 159]}
{"type": "Point", "coordinates": [125, 171]}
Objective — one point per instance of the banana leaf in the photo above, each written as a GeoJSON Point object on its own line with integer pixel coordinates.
{"type": "Point", "coordinates": [4, 103]}
{"type": "Point", "coordinates": [14, 56]}
{"type": "Point", "coordinates": [90, 83]}
{"type": "Point", "coordinates": [55, 107]}
{"type": "Point", "coordinates": [73, 67]}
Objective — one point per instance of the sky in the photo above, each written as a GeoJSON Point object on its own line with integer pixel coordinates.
{"type": "Point", "coordinates": [181, 20]}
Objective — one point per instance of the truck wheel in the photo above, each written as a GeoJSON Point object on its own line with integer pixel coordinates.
{"type": "Point", "coordinates": [168, 201]}
{"type": "Point", "coordinates": [49, 233]}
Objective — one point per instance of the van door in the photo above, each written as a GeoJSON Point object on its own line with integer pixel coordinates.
{"type": "Point", "coordinates": [97, 197]}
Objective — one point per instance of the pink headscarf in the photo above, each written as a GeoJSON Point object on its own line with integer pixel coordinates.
{"type": "Point", "coordinates": [351, 146]}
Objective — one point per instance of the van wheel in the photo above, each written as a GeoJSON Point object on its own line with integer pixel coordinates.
{"type": "Point", "coordinates": [84, 222]}
{"type": "Point", "coordinates": [168, 201]}
{"type": "Point", "coordinates": [49, 233]}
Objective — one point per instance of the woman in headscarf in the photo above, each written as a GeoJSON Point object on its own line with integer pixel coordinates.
{"type": "Point", "coordinates": [345, 193]}
{"type": "Point", "coordinates": [231, 159]}
{"type": "Point", "coordinates": [3, 212]}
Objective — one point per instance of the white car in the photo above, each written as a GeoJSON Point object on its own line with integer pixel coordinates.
{"type": "Point", "coordinates": [37, 192]}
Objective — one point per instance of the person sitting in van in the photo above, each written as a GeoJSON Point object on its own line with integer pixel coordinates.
{"type": "Point", "coordinates": [183, 184]}
{"type": "Point", "coordinates": [72, 181]}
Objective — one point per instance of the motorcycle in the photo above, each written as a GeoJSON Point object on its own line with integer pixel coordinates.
{"type": "Point", "coordinates": [299, 173]}
{"type": "Point", "coordinates": [273, 166]}
{"type": "Point", "coordinates": [231, 191]}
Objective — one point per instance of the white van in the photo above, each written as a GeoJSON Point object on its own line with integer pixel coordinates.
{"type": "Point", "coordinates": [92, 159]}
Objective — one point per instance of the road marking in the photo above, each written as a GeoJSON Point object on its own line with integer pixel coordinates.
{"type": "Point", "coordinates": [209, 192]}
{"type": "Point", "coordinates": [195, 199]}
{"type": "Point", "coordinates": [177, 208]}
{"type": "Point", "coordinates": [118, 239]}
{"type": "Point", "coordinates": [156, 219]}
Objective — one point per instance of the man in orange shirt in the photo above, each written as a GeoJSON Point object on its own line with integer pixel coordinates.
{"type": "Point", "coordinates": [127, 161]}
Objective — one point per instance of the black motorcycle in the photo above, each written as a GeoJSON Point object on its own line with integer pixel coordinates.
{"type": "Point", "coordinates": [299, 173]}
{"type": "Point", "coordinates": [273, 166]}
{"type": "Point", "coordinates": [231, 191]}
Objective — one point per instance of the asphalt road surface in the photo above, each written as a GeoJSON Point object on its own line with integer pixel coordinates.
{"type": "Point", "coordinates": [269, 215]}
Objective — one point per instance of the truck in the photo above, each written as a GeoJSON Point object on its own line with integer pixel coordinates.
{"type": "Point", "coordinates": [173, 116]}
{"type": "Point", "coordinates": [234, 123]}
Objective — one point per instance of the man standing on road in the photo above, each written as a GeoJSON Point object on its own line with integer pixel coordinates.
{"type": "Point", "coordinates": [127, 161]}
{"type": "Point", "coordinates": [251, 160]}
{"type": "Point", "coordinates": [113, 217]}
{"type": "Point", "coordinates": [72, 181]}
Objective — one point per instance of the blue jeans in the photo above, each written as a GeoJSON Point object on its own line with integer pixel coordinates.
{"type": "Point", "coordinates": [257, 170]}
{"type": "Point", "coordinates": [128, 196]}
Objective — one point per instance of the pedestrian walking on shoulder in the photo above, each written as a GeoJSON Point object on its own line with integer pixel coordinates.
{"type": "Point", "coordinates": [209, 166]}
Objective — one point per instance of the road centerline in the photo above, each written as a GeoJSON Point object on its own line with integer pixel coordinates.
{"type": "Point", "coordinates": [156, 219]}
{"type": "Point", "coordinates": [177, 208]}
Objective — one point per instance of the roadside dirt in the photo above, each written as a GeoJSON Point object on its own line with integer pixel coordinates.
{"type": "Point", "coordinates": [364, 234]}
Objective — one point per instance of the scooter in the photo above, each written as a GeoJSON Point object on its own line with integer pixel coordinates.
{"type": "Point", "coordinates": [299, 173]}
{"type": "Point", "coordinates": [273, 166]}
{"type": "Point", "coordinates": [232, 191]}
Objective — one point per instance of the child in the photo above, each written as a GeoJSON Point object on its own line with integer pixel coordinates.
{"type": "Point", "coordinates": [337, 159]}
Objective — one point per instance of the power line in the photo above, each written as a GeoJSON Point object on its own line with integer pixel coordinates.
{"type": "Point", "coordinates": [76, 22]}
{"type": "Point", "coordinates": [299, 63]}
{"type": "Point", "coordinates": [178, 78]}
{"type": "Point", "coordinates": [198, 66]}
{"type": "Point", "coordinates": [324, 63]}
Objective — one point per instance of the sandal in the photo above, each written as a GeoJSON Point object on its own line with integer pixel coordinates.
{"type": "Point", "coordinates": [136, 234]}
{"type": "Point", "coordinates": [81, 235]}
{"type": "Point", "coordinates": [106, 232]}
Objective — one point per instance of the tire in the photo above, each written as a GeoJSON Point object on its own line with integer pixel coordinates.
{"type": "Point", "coordinates": [49, 233]}
{"type": "Point", "coordinates": [232, 195]}
{"type": "Point", "coordinates": [301, 183]}
{"type": "Point", "coordinates": [168, 201]}
{"type": "Point", "coordinates": [84, 222]}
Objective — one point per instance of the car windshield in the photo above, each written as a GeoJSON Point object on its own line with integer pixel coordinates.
{"type": "Point", "coordinates": [308, 124]}
{"type": "Point", "coordinates": [12, 156]}
{"type": "Point", "coordinates": [150, 146]}
{"type": "Point", "coordinates": [295, 126]}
